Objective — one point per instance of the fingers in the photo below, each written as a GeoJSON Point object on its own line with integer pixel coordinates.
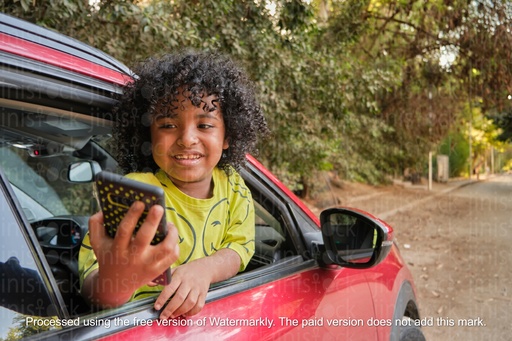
{"type": "Point", "coordinates": [185, 302]}
{"type": "Point", "coordinates": [188, 291]}
{"type": "Point", "coordinates": [147, 231]}
{"type": "Point", "coordinates": [96, 229]}
{"type": "Point", "coordinates": [127, 226]}
{"type": "Point", "coordinates": [193, 304]}
{"type": "Point", "coordinates": [132, 259]}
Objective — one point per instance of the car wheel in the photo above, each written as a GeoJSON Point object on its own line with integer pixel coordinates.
{"type": "Point", "coordinates": [411, 333]}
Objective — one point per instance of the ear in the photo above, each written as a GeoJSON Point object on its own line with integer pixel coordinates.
{"type": "Point", "coordinates": [225, 145]}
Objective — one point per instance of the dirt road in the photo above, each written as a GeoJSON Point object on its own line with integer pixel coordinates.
{"type": "Point", "coordinates": [456, 241]}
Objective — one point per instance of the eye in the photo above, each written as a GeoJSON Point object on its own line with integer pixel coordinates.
{"type": "Point", "coordinates": [166, 125]}
{"type": "Point", "coordinates": [205, 126]}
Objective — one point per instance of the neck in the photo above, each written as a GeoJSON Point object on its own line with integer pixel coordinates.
{"type": "Point", "coordinates": [198, 190]}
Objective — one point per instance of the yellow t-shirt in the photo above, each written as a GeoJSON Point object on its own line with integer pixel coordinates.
{"type": "Point", "coordinates": [226, 220]}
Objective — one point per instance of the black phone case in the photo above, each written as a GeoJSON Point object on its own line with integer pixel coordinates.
{"type": "Point", "coordinates": [116, 193]}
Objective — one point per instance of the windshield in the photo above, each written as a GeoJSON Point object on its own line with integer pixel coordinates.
{"type": "Point", "coordinates": [41, 184]}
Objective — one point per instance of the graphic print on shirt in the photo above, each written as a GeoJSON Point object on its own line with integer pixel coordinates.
{"type": "Point", "coordinates": [181, 238]}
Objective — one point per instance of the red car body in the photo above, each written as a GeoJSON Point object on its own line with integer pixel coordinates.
{"type": "Point", "coordinates": [292, 298]}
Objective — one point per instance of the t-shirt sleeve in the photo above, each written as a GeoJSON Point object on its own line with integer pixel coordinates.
{"type": "Point", "coordinates": [86, 259]}
{"type": "Point", "coordinates": [240, 233]}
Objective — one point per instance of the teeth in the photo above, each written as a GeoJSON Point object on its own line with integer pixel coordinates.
{"type": "Point", "coordinates": [187, 157]}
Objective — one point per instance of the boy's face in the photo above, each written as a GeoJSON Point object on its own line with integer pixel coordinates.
{"type": "Point", "coordinates": [187, 142]}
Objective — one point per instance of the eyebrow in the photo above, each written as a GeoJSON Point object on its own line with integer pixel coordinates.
{"type": "Point", "coordinates": [172, 115]}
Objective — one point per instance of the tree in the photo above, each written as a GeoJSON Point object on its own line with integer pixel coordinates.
{"type": "Point", "coordinates": [366, 88]}
{"type": "Point", "coordinates": [411, 41]}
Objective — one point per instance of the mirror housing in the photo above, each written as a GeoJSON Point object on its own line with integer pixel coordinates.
{"type": "Point", "coordinates": [83, 171]}
{"type": "Point", "coordinates": [353, 238]}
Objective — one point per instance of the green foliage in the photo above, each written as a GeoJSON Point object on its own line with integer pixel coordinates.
{"type": "Point", "coordinates": [352, 85]}
{"type": "Point", "coordinates": [456, 146]}
{"type": "Point", "coordinates": [20, 329]}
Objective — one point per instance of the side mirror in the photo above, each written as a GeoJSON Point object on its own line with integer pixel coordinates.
{"type": "Point", "coordinates": [83, 171]}
{"type": "Point", "coordinates": [354, 239]}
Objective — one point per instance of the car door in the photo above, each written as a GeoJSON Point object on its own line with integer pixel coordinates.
{"type": "Point", "coordinates": [284, 292]}
{"type": "Point", "coordinates": [27, 293]}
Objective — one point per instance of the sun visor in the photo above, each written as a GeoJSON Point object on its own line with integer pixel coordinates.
{"type": "Point", "coordinates": [65, 127]}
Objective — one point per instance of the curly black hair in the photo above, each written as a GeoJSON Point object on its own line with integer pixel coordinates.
{"type": "Point", "coordinates": [200, 74]}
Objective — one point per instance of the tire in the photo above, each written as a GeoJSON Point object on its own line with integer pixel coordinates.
{"type": "Point", "coordinates": [405, 306]}
{"type": "Point", "coordinates": [411, 333]}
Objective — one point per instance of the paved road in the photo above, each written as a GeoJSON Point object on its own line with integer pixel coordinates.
{"type": "Point", "coordinates": [458, 246]}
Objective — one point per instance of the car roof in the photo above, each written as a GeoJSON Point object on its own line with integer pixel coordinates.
{"type": "Point", "coordinates": [55, 87]}
{"type": "Point", "coordinates": [81, 55]}
{"type": "Point", "coordinates": [45, 68]}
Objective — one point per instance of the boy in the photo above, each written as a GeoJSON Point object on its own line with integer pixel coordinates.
{"type": "Point", "coordinates": [185, 124]}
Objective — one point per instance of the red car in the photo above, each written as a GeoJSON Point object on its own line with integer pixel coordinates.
{"type": "Point", "coordinates": [339, 276]}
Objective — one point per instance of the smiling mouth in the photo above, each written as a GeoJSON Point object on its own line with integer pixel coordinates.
{"type": "Point", "coordinates": [188, 156]}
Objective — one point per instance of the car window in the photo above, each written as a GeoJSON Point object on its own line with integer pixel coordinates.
{"type": "Point", "coordinates": [272, 241]}
{"type": "Point", "coordinates": [23, 295]}
{"type": "Point", "coordinates": [56, 209]}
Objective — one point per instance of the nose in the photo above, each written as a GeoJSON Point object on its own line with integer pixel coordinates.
{"type": "Point", "coordinates": [188, 137]}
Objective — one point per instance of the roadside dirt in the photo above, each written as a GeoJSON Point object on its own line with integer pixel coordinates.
{"type": "Point", "coordinates": [456, 244]}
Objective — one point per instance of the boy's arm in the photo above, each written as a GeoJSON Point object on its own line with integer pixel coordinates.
{"type": "Point", "coordinates": [127, 262]}
{"type": "Point", "coordinates": [99, 295]}
{"type": "Point", "coordinates": [191, 281]}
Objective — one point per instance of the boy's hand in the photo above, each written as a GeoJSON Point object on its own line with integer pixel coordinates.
{"type": "Point", "coordinates": [128, 262]}
{"type": "Point", "coordinates": [191, 281]}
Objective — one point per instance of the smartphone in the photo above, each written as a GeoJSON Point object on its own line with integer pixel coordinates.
{"type": "Point", "coordinates": [116, 193]}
